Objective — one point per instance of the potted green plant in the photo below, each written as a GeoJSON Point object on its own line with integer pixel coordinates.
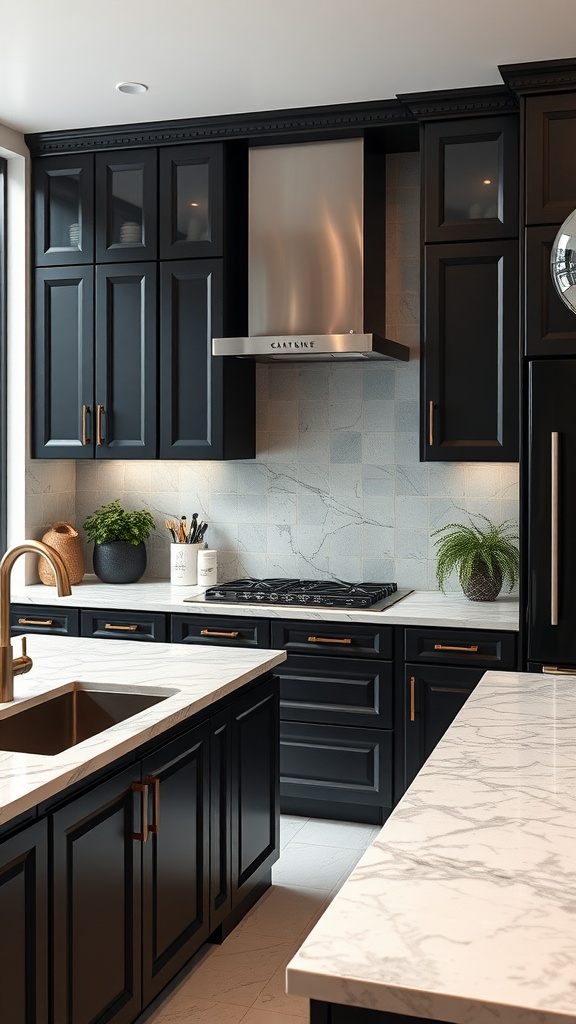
{"type": "Point", "coordinates": [484, 557]}
{"type": "Point", "coordinates": [118, 536]}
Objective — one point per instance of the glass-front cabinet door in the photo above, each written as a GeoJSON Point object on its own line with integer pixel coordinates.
{"type": "Point", "coordinates": [126, 223]}
{"type": "Point", "coordinates": [64, 210]}
{"type": "Point", "coordinates": [471, 179]}
{"type": "Point", "coordinates": [191, 200]}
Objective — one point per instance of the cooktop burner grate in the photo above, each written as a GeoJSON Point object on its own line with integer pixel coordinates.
{"type": "Point", "coordinates": [324, 593]}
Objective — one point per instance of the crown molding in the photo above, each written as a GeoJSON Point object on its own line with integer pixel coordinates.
{"type": "Point", "coordinates": [340, 118]}
{"type": "Point", "coordinates": [540, 76]}
{"type": "Point", "coordinates": [448, 103]}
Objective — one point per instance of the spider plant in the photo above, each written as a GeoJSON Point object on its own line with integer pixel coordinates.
{"type": "Point", "coordinates": [489, 550]}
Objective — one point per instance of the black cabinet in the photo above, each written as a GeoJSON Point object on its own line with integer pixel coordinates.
{"type": "Point", "coordinates": [220, 630]}
{"type": "Point", "coordinates": [27, 618]}
{"type": "Point", "coordinates": [550, 129]}
{"type": "Point", "coordinates": [470, 386]}
{"type": "Point", "coordinates": [336, 711]}
{"type": "Point", "coordinates": [550, 326]}
{"type": "Point", "coordinates": [95, 376]}
{"type": "Point", "coordinates": [63, 210]}
{"type": "Point", "coordinates": [551, 507]}
{"type": "Point", "coordinates": [123, 625]}
{"type": "Point", "coordinates": [24, 979]}
{"type": "Point", "coordinates": [191, 214]}
{"type": "Point", "coordinates": [126, 205]}
{"type": "Point", "coordinates": [441, 670]}
{"type": "Point", "coordinates": [470, 172]}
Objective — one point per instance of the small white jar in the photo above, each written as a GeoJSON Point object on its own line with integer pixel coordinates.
{"type": "Point", "coordinates": [207, 567]}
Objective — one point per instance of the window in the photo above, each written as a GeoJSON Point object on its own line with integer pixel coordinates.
{"type": "Point", "coordinates": [3, 321]}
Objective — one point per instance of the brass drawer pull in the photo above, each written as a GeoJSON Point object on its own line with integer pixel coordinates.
{"type": "Point", "coordinates": [141, 787]}
{"type": "Point", "coordinates": [85, 410]}
{"type": "Point", "coordinates": [431, 407]}
{"type": "Point", "coordinates": [214, 632]}
{"type": "Point", "coordinates": [470, 648]}
{"type": "Point", "coordinates": [99, 411]}
{"type": "Point", "coordinates": [121, 629]}
{"type": "Point", "coordinates": [154, 827]}
{"type": "Point", "coordinates": [35, 622]}
{"type": "Point", "coordinates": [328, 640]}
{"type": "Point", "coordinates": [555, 670]}
{"type": "Point", "coordinates": [554, 524]}
{"type": "Point", "coordinates": [412, 698]}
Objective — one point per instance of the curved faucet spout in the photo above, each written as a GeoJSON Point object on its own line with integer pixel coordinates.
{"type": "Point", "coordinates": [8, 667]}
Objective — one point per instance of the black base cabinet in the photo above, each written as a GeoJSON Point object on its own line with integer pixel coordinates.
{"type": "Point", "coordinates": [147, 864]}
{"type": "Point", "coordinates": [336, 1013]}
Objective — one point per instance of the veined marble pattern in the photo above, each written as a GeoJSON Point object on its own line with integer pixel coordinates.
{"type": "Point", "coordinates": [417, 609]}
{"type": "Point", "coordinates": [195, 677]}
{"type": "Point", "coordinates": [462, 909]}
{"type": "Point", "coordinates": [337, 488]}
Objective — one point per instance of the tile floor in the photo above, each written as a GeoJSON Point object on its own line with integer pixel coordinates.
{"type": "Point", "coordinates": [243, 979]}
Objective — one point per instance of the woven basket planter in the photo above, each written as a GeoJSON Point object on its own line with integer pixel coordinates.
{"type": "Point", "coordinates": [65, 540]}
{"type": "Point", "coordinates": [481, 585]}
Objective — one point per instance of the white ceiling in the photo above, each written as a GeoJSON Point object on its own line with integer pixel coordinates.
{"type": "Point", "coordinates": [61, 59]}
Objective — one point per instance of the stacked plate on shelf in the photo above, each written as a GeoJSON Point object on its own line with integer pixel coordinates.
{"type": "Point", "coordinates": [130, 232]}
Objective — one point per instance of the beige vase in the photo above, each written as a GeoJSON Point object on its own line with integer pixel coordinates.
{"type": "Point", "coordinates": [66, 541]}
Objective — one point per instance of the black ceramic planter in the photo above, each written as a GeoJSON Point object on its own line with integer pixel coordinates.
{"type": "Point", "coordinates": [118, 561]}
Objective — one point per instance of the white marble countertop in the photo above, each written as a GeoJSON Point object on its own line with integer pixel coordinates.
{"type": "Point", "coordinates": [464, 907]}
{"type": "Point", "coordinates": [419, 608]}
{"type": "Point", "coordinates": [195, 677]}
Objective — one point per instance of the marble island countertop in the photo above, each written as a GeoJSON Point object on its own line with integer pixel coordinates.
{"type": "Point", "coordinates": [419, 608]}
{"type": "Point", "coordinates": [463, 908]}
{"type": "Point", "coordinates": [194, 677]}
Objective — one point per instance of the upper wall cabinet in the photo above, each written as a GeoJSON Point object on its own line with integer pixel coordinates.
{"type": "Point", "coordinates": [191, 180]}
{"type": "Point", "coordinates": [126, 204]}
{"type": "Point", "coordinates": [470, 175]}
{"type": "Point", "coordinates": [550, 148]}
{"type": "Point", "coordinates": [64, 210]}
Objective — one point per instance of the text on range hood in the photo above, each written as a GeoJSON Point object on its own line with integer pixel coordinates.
{"type": "Point", "coordinates": [316, 288]}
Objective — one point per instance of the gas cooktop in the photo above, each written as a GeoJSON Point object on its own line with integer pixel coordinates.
{"type": "Point", "coordinates": [309, 593]}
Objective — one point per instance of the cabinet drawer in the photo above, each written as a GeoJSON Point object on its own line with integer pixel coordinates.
{"type": "Point", "coordinates": [336, 764]}
{"type": "Point", "coordinates": [461, 647]}
{"type": "Point", "coordinates": [341, 691]}
{"type": "Point", "coordinates": [344, 639]}
{"type": "Point", "coordinates": [27, 618]}
{"type": "Point", "coordinates": [124, 625]}
{"type": "Point", "coordinates": [220, 631]}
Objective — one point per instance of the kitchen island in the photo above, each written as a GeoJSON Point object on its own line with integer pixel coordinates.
{"type": "Point", "coordinates": [121, 855]}
{"type": "Point", "coordinates": [462, 910]}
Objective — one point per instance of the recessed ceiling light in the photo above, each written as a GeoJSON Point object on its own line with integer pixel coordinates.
{"type": "Point", "coordinates": [131, 87]}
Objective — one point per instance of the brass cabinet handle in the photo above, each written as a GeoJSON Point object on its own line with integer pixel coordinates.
{"type": "Point", "coordinates": [35, 622]}
{"type": "Point", "coordinates": [154, 826]}
{"type": "Point", "coordinates": [328, 640]}
{"type": "Point", "coordinates": [557, 671]}
{"type": "Point", "coordinates": [121, 629]}
{"type": "Point", "coordinates": [214, 632]}
{"type": "Point", "coordinates": [431, 408]}
{"type": "Point", "coordinates": [554, 536]}
{"type": "Point", "coordinates": [85, 410]}
{"type": "Point", "coordinates": [412, 698]}
{"type": "Point", "coordinates": [142, 788]}
{"type": "Point", "coordinates": [469, 648]}
{"type": "Point", "coordinates": [99, 410]}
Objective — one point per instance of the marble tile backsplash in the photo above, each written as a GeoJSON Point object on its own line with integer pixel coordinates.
{"type": "Point", "coordinates": [337, 488]}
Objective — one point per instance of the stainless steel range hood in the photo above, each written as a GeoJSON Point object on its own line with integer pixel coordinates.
{"type": "Point", "coordinates": [316, 256]}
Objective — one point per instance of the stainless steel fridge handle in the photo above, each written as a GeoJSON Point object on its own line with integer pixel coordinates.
{"type": "Point", "coordinates": [554, 540]}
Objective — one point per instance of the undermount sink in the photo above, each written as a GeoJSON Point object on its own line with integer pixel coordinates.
{"type": "Point", "coordinates": [65, 719]}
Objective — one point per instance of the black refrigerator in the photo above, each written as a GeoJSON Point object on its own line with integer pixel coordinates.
{"type": "Point", "coordinates": [551, 519]}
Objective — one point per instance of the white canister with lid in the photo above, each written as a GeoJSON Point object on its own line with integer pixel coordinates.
{"type": "Point", "coordinates": [207, 567]}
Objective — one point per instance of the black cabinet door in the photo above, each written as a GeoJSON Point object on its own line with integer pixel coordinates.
{"type": "Point", "coordinates": [175, 915]}
{"type": "Point", "coordinates": [550, 324]}
{"type": "Point", "coordinates": [191, 201]}
{"type": "Point", "coordinates": [97, 906]}
{"type": "Point", "coordinates": [336, 691]}
{"type": "Point", "coordinates": [255, 787]}
{"type": "Point", "coordinates": [63, 364]}
{"type": "Point", "coordinates": [551, 512]}
{"type": "Point", "coordinates": [24, 941]}
{"type": "Point", "coordinates": [470, 171]}
{"type": "Point", "coordinates": [191, 381]}
{"type": "Point", "coordinates": [433, 696]}
{"type": "Point", "coordinates": [550, 145]}
{"type": "Point", "coordinates": [64, 210]}
{"type": "Point", "coordinates": [126, 201]}
{"type": "Point", "coordinates": [220, 817]}
{"type": "Point", "coordinates": [125, 373]}
{"type": "Point", "coordinates": [471, 353]}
